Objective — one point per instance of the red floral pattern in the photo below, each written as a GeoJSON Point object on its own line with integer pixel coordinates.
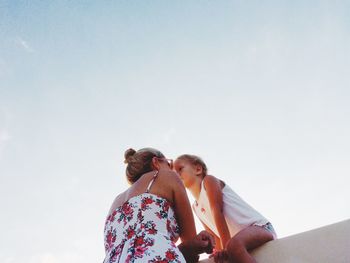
{"type": "Point", "coordinates": [143, 229]}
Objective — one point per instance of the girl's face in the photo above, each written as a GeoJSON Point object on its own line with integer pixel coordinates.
{"type": "Point", "coordinates": [188, 172]}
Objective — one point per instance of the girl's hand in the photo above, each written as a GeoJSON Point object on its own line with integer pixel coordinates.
{"type": "Point", "coordinates": [220, 256]}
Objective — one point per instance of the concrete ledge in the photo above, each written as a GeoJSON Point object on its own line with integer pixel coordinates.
{"type": "Point", "coordinates": [329, 244]}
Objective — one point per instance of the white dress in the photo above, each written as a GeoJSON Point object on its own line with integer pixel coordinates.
{"type": "Point", "coordinates": [237, 212]}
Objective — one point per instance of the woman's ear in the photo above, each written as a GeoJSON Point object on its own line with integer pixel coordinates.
{"type": "Point", "coordinates": [155, 163]}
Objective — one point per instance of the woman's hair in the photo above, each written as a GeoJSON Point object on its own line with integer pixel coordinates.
{"type": "Point", "coordinates": [139, 162]}
{"type": "Point", "coordinates": [195, 160]}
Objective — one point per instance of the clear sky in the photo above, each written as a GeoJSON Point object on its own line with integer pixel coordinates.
{"type": "Point", "coordinates": [258, 89]}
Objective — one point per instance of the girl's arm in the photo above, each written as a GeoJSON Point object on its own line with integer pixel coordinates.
{"type": "Point", "coordinates": [214, 191]}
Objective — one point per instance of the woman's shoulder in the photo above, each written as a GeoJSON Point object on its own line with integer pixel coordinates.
{"type": "Point", "coordinates": [118, 201]}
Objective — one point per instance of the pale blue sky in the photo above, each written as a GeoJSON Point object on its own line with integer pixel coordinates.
{"type": "Point", "coordinates": [259, 90]}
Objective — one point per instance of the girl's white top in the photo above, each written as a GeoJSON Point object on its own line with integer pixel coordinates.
{"type": "Point", "coordinates": [237, 212]}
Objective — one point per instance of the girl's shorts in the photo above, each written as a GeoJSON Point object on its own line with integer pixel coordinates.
{"type": "Point", "coordinates": [268, 226]}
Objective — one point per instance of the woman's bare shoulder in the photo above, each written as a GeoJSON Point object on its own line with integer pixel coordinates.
{"type": "Point", "coordinates": [118, 201]}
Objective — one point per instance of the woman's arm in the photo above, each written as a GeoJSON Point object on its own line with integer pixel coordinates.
{"type": "Point", "coordinates": [214, 191]}
{"type": "Point", "coordinates": [183, 210]}
{"type": "Point", "coordinates": [216, 238]}
{"type": "Point", "coordinates": [185, 220]}
{"type": "Point", "coordinates": [203, 242]}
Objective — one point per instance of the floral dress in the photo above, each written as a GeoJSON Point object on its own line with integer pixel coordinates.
{"type": "Point", "coordinates": [143, 229]}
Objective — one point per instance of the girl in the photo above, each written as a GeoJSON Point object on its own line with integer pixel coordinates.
{"type": "Point", "coordinates": [236, 226]}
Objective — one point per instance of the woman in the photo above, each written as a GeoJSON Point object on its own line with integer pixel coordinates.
{"type": "Point", "coordinates": [145, 221]}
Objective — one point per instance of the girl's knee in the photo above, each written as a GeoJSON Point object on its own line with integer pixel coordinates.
{"type": "Point", "coordinates": [235, 250]}
{"type": "Point", "coordinates": [234, 244]}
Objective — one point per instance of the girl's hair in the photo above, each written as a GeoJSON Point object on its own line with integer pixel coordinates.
{"type": "Point", "coordinates": [195, 160]}
{"type": "Point", "coordinates": [139, 162]}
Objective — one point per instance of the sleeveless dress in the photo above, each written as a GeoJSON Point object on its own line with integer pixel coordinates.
{"type": "Point", "coordinates": [143, 229]}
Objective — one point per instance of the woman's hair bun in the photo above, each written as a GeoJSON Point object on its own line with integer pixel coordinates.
{"type": "Point", "coordinates": [129, 153]}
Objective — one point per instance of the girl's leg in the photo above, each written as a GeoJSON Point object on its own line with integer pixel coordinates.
{"type": "Point", "coordinates": [247, 239]}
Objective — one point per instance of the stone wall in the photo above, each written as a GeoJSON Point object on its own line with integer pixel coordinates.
{"type": "Point", "coordinates": [329, 244]}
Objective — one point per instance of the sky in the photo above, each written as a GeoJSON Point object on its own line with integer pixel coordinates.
{"type": "Point", "coordinates": [259, 90]}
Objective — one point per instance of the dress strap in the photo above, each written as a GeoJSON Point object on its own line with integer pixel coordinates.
{"type": "Point", "coordinates": [151, 182]}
